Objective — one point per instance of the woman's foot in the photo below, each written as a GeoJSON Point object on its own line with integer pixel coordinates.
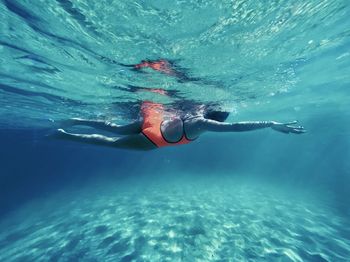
{"type": "Point", "coordinates": [60, 133]}
{"type": "Point", "coordinates": [71, 122]}
{"type": "Point", "coordinates": [57, 134]}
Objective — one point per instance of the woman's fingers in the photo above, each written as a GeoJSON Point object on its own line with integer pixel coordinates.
{"type": "Point", "coordinates": [296, 127]}
{"type": "Point", "coordinates": [298, 131]}
{"type": "Point", "coordinates": [291, 123]}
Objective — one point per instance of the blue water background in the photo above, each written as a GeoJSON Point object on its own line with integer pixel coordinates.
{"type": "Point", "coordinates": [286, 196]}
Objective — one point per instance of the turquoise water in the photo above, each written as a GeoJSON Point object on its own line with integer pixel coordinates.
{"type": "Point", "coordinates": [255, 196]}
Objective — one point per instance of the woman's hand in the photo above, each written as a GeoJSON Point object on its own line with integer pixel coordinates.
{"type": "Point", "coordinates": [288, 127]}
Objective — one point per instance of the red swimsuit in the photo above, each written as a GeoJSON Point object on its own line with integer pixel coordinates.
{"type": "Point", "coordinates": [153, 116]}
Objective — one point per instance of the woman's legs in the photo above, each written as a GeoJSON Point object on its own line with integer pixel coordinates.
{"type": "Point", "coordinates": [136, 142]}
{"type": "Point", "coordinates": [131, 129]}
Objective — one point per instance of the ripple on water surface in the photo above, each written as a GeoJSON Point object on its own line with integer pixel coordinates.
{"type": "Point", "coordinates": [174, 222]}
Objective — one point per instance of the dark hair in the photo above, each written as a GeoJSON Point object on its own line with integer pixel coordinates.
{"type": "Point", "coordinates": [220, 116]}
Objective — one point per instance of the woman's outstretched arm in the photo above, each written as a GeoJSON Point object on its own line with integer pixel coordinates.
{"type": "Point", "coordinates": [215, 126]}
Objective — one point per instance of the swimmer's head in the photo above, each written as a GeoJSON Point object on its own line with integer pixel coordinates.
{"type": "Point", "coordinates": [215, 112]}
{"type": "Point", "coordinates": [211, 111]}
{"type": "Point", "coordinates": [216, 115]}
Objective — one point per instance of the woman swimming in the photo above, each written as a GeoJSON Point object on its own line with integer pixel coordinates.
{"type": "Point", "coordinates": [159, 127]}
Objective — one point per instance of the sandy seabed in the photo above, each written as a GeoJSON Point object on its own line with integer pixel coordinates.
{"type": "Point", "coordinates": [183, 220]}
